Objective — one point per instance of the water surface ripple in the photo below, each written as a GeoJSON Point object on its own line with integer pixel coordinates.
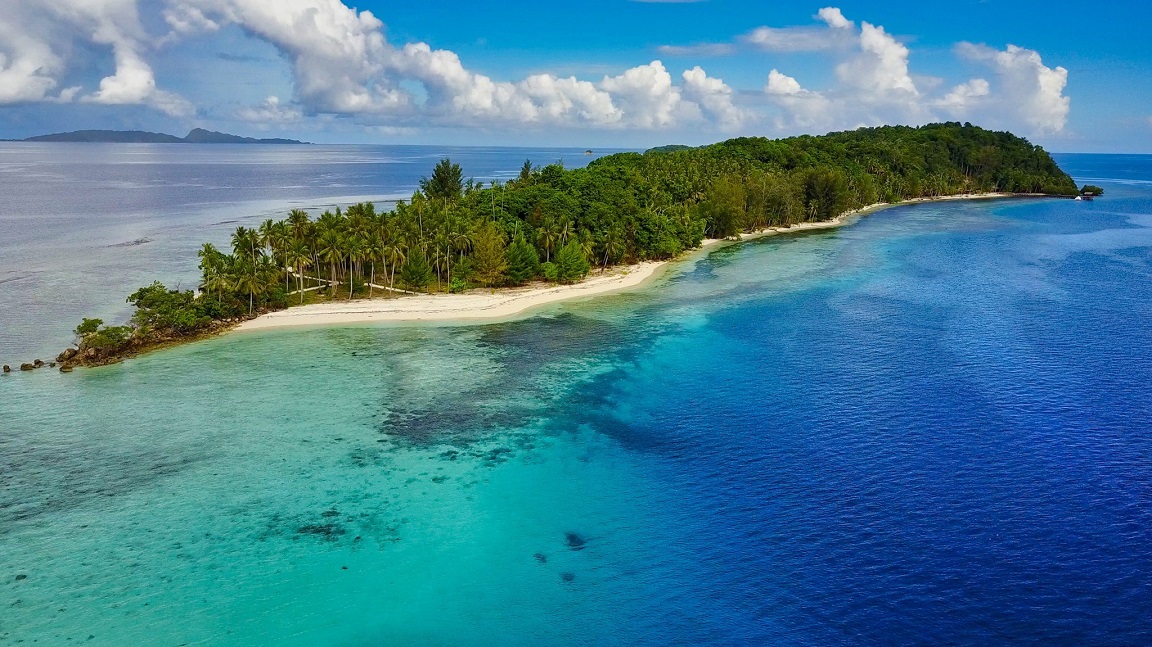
{"type": "Point", "coordinates": [932, 427]}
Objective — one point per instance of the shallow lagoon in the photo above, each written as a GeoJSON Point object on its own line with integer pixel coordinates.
{"type": "Point", "coordinates": [932, 426]}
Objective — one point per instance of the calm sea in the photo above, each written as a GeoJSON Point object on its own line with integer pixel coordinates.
{"type": "Point", "coordinates": [931, 427]}
{"type": "Point", "coordinates": [83, 225]}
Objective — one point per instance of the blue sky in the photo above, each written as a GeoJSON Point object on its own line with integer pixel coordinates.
{"type": "Point", "coordinates": [600, 73]}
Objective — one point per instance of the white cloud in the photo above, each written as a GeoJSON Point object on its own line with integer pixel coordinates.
{"type": "Point", "coordinates": [836, 34]}
{"type": "Point", "coordinates": [802, 108]}
{"type": "Point", "coordinates": [700, 49]}
{"type": "Point", "coordinates": [874, 83]}
{"type": "Point", "coordinates": [343, 66]}
{"type": "Point", "coordinates": [1027, 91]}
{"type": "Point", "coordinates": [271, 111]}
{"type": "Point", "coordinates": [714, 98]}
{"type": "Point", "coordinates": [965, 96]}
{"type": "Point", "coordinates": [36, 37]}
{"type": "Point", "coordinates": [834, 18]}
{"type": "Point", "coordinates": [881, 66]}
{"type": "Point", "coordinates": [646, 95]}
{"type": "Point", "coordinates": [790, 39]}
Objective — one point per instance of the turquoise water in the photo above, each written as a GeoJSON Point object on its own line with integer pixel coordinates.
{"type": "Point", "coordinates": [933, 426]}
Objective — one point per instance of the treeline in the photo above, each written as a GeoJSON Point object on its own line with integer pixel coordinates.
{"type": "Point", "coordinates": [555, 224]}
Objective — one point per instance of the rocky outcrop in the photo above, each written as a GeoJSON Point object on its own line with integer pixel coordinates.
{"type": "Point", "coordinates": [7, 369]}
{"type": "Point", "coordinates": [67, 355]}
{"type": "Point", "coordinates": [27, 367]}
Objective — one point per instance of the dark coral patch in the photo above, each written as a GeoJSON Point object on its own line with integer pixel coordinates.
{"type": "Point", "coordinates": [575, 541]}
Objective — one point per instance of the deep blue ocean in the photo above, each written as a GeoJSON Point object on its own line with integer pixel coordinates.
{"type": "Point", "coordinates": [931, 427]}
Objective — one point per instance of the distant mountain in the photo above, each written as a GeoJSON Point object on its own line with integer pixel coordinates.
{"type": "Point", "coordinates": [201, 136]}
{"type": "Point", "coordinates": [196, 136]}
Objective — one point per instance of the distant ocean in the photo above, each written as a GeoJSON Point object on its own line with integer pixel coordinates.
{"type": "Point", "coordinates": [931, 427]}
{"type": "Point", "coordinates": [83, 225]}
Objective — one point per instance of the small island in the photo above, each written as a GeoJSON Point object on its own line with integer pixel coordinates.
{"type": "Point", "coordinates": [552, 226]}
{"type": "Point", "coordinates": [195, 136]}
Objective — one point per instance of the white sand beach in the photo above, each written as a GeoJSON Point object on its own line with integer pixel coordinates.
{"type": "Point", "coordinates": [486, 305]}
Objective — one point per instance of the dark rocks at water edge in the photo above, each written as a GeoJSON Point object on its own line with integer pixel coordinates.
{"type": "Point", "coordinates": [27, 367]}
{"type": "Point", "coordinates": [7, 369]}
{"type": "Point", "coordinates": [67, 355]}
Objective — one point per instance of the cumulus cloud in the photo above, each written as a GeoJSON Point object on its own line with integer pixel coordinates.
{"type": "Point", "coordinates": [875, 85]}
{"type": "Point", "coordinates": [344, 66]}
{"type": "Point", "coordinates": [835, 34]}
{"type": "Point", "coordinates": [36, 37]}
{"type": "Point", "coordinates": [834, 18]}
{"type": "Point", "coordinates": [714, 98]}
{"type": "Point", "coordinates": [803, 108]}
{"type": "Point", "coordinates": [1026, 90]}
{"type": "Point", "coordinates": [965, 96]}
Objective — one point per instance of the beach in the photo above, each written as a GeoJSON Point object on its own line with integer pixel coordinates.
{"type": "Point", "coordinates": [499, 304]}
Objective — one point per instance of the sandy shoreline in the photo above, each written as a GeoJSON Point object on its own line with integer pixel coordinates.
{"type": "Point", "coordinates": [508, 303]}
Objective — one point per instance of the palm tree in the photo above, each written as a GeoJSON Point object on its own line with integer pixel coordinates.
{"type": "Point", "coordinates": [331, 250]}
{"type": "Point", "coordinates": [396, 252]}
{"type": "Point", "coordinates": [210, 262]}
{"type": "Point", "coordinates": [298, 222]}
{"type": "Point", "coordinates": [372, 254]}
{"type": "Point", "coordinates": [298, 256]}
{"type": "Point", "coordinates": [548, 236]}
{"type": "Point", "coordinates": [247, 281]}
{"type": "Point", "coordinates": [355, 248]}
{"type": "Point", "coordinates": [613, 244]}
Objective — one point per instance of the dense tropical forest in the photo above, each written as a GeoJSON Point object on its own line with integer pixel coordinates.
{"type": "Point", "coordinates": [555, 224]}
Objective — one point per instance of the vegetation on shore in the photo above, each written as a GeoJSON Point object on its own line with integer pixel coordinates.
{"type": "Point", "coordinates": [555, 225]}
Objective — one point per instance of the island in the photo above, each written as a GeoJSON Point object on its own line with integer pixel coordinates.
{"type": "Point", "coordinates": [545, 231]}
{"type": "Point", "coordinates": [195, 136]}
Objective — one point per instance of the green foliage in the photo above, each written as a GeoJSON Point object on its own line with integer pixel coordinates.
{"type": "Point", "coordinates": [621, 208]}
{"type": "Point", "coordinates": [108, 340]}
{"type": "Point", "coordinates": [488, 255]}
{"type": "Point", "coordinates": [571, 264]}
{"type": "Point", "coordinates": [723, 208]}
{"type": "Point", "coordinates": [523, 261]}
{"type": "Point", "coordinates": [1091, 189]}
{"type": "Point", "coordinates": [417, 272]}
{"type": "Point", "coordinates": [446, 183]}
{"type": "Point", "coordinates": [161, 309]}
{"type": "Point", "coordinates": [88, 326]}
{"type": "Point", "coordinates": [825, 194]}
{"type": "Point", "coordinates": [550, 272]}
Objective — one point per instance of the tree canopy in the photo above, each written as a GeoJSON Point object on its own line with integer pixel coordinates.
{"type": "Point", "coordinates": [556, 224]}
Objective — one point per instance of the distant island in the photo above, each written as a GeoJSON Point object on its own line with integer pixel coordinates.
{"type": "Point", "coordinates": [195, 136]}
{"type": "Point", "coordinates": [552, 225]}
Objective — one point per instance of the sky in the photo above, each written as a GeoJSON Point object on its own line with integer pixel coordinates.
{"type": "Point", "coordinates": [600, 73]}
